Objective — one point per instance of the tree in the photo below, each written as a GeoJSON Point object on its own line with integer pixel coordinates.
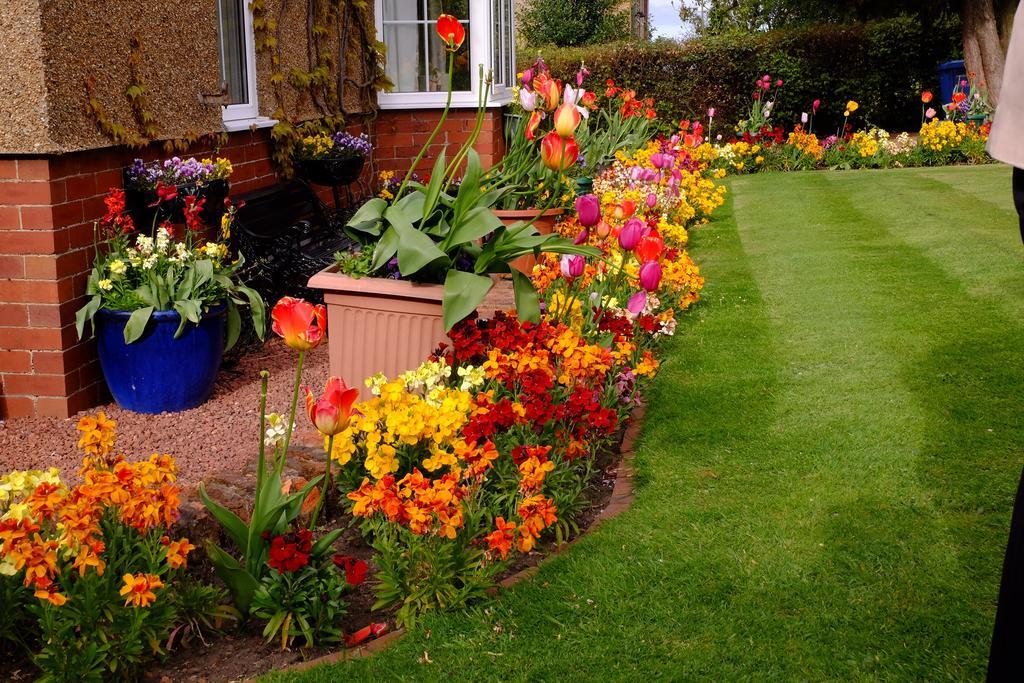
{"type": "Point", "coordinates": [569, 23]}
{"type": "Point", "coordinates": [986, 26]}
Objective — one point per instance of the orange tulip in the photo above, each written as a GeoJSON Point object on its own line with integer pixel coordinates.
{"type": "Point", "coordinates": [532, 124]}
{"type": "Point", "coordinates": [567, 118]}
{"type": "Point", "coordinates": [331, 413]}
{"type": "Point", "coordinates": [549, 89]}
{"type": "Point", "coordinates": [558, 153]}
{"type": "Point", "coordinates": [451, 31]}
{"type": "Point", "coordinates": [300, 323]}
{"type": "Point", "coordinates": [926, 96]}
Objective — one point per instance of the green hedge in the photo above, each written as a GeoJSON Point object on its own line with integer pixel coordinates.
{"type": "Point", "coordinates": [882, 65]}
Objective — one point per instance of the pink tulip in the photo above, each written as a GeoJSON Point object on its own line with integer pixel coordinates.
{"type": "Point", "coordinates": [778, 83]}
{"type": "Point", "coordinates": [582, 237]}
{"type": "Point", "coordinates": [650, 276]}
{"type": "Point", "coordinates": [652, 200]}
{"type": "Point", "coordinates": [588, 210]}
{"type": "Point", "coordinates": [603, 229]}
{"type": "Point", "coordinates": [527, 77]}
{"type": "Point", "coordinates": [572, 266]}
{"type": "Point", "coordinates": [815, 105]}
{"type": "Point", "coordinates": [930, 113]}
{"type": "Point", "coordinates": [637, 303]}
{"type": "Point", "coordinates": [631, 234]}
{"type": "Point", "coordinates": [711, 112]}
{"type": "Point", "coordinates": [803, 117]}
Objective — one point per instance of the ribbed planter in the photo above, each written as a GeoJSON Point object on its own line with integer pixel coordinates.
{"type": "Point", "coordinates": [158, 373]}
{"type": "Point", "coordinates": [378, 325]}
{"type": "Point", "coordinates": [544, 221]}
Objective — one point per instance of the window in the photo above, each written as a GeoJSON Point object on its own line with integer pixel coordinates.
{"type": "Point", "coordinates": [416, 60]}
{"type": "Point", "coordinates": [237, 61]}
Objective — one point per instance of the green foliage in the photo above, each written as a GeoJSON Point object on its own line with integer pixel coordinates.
{"type": "Point", "coordinates": [571, 23]}
{"type": "Point", "coordinates": [200, 610]}
{"type": "Point", "coordinates": [882, 65]}
{"type": "Point", "coordinates": [421, 574]}
{"type": "Point", "coordinates": [18, 629]}
{"type": "Point", "coordinates": [308, 602]}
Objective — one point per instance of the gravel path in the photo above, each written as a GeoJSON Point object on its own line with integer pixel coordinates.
{"type": "Point", "coordinates": [220, 435]}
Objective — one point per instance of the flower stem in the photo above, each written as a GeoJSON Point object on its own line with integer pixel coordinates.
{"type": "Point", "coordinates": [261, 467]}
{"type": "Point", "coordinates": [437, 128]}
{"type": "Point", "coordinates": [291, 414]}
{"type": "Point", "coordinates": [327, 483]}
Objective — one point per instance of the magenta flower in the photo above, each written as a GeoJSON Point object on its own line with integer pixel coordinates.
{"type": "Point", "coordinates": [582, 237]}
{"type": "Point", "coordinates": [631, 234]}
{"type": "Point", "coordinates": [652, 200]}
{"type": "Point", "coordinates": [637, 303]}
{"type": "Point", "coordinates": [814, 106]}
{"type": "Point", "coordinates": [778, 83]}
{"type": "Point", "coordinates": [711, 112]}
{"type": "Point", "coordinates": [588, 210]}
{"type": "Point", "coordinates": [572, 266]}
{"type": "Point", "coordinates": [650, 276]}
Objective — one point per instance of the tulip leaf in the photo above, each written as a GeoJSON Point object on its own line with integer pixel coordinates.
{"type": "Point", "coordinates": [368, 218]}
{"type": "Point", "coordinates": [415, 249]}
{"type": "Point", "coordinates": [258, 309]}
{"type": "Point", "coordinates": [136, 325]}
{"type": "Point", "coordinates": [434, 187]}
{"type": "Point", "coordinates": [527, 301]}
{"type": "Point", "coordinates": [463, 292]}
{"type": "Point", "coordinates": [324, 543]}
{"type": "Point", "coordinates": [241, 583]}
{"type": "Point", "coordinates": [189, 311]}
{"type": "Point", "coordinates": [86, 313]}
{"type": "Point", "coordinates": [474, 225]}
{"type": "Point", "coordinates": [231, 522]}
{"type": "Point", "coordinates": [386, 247]}
{"type": "Point", "coordinates": [469, 189]}
{"type": "Point", "coordinates": [234, 327]}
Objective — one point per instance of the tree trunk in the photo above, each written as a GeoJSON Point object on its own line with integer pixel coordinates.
{"type": "Point", "coordinates": [983, 51]}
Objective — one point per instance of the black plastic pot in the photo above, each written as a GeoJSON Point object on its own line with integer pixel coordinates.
{"type": "Point", "coordinates": [330, 172]}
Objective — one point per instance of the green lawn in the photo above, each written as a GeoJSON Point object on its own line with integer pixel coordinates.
{"type": "Point", "coordinates": [827, 467]}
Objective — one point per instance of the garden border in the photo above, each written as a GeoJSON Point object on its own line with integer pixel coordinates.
{"type": "Point", "coordinates": [623, 494]}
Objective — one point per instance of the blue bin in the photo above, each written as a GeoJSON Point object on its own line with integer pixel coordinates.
{"type": "Point", "coordinates": [949, 74]}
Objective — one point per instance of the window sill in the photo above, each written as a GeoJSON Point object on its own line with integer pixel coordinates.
{"type": "Point", "coordinates": [433, 100]}
{"type": "Point", "coordinates": [249, 124]}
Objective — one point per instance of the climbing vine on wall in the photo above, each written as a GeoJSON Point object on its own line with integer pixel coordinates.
{"type": "Point", "coordinates": [344, 68]}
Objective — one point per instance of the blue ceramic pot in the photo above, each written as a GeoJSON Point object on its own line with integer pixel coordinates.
{"type": "Point", "coordinates": [158, 373]}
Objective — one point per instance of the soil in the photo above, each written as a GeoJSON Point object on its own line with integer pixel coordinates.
{"type": "Point", "coordinates": [220, 435]}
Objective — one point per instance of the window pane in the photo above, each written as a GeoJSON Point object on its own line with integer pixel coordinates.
{"type": "Point", "coordinates": [509, 43]}
{"type": "Point", "coordinates": [405, 65]}
{"type": "Point", "coordinates": [436, 8]}
{"type": "Point", "coordinates": [437, 78]}
{"type": "Point", "coordinates": [403, 10]}
{"type": "Point", "coordinates": [231, 31]}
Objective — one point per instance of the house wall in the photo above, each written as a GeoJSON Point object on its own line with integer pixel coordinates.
{"type": "Point", "coordinates": [55, 166]}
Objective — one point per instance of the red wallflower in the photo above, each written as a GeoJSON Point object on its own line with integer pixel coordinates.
{"type": "Point", "coordinates": [355, 570]}
{"type": "Point", "coordinates": [290, 552]}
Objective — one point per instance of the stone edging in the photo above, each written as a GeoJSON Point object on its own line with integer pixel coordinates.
{"type": "Point", "coordinates": [620, 501]}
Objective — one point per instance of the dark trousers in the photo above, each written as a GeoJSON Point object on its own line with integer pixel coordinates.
{"type": "Point", "coordinates": [1006, 657]}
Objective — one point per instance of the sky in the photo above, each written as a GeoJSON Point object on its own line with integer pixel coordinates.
{"type": "Point", "coordinates": [665, 19]}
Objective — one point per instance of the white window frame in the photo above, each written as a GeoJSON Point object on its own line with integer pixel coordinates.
{"type": "Point", "coordinates": [242, 116]}
{"type": "Point", "coordinates": [480, 37]}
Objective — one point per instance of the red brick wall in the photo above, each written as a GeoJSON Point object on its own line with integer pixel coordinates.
{"type": "Point", "coordinates": [399, 135]}
{"type": "Point", "coordinates": [47, 209]}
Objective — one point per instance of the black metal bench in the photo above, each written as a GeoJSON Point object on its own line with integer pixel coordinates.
{"type": "Point", "coordinates": [286, 235]}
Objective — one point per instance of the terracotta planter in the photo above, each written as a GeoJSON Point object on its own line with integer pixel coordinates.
{"type": "Point", "coordinates": [378, 325]}
{"type": "Point", "coordinates": [545, 223]}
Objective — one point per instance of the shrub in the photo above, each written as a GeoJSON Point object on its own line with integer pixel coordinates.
{"type": "Point", "coordinates": [883, 65]}
{"type": "Point", "coordinates": [572, 22]}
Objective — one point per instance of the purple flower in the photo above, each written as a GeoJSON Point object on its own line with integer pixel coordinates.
{"type": "Point", "coordinates": [637, 303]}
{"type": "Point", "coordinates": [588, 210]}
{"type": "Point", "coordinates": [346, 144]}
{"type": "Point", "coordinates": [572, 266]}
{"type": "Point", "coordinates": [631, 234]}
{"type": "Point", "coordinates": [650, 276]}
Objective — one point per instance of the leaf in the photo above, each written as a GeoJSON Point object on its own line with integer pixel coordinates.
{"type": "Point", "coordinates": [415, 249]}
{"type": "Point", "coordinates": [231, 522]}
{"type": "Point", "coordinates": [234, 326]}
{"type": "Point", "coordinates": [463, 292]}
{"type": "Point", "coordinates": [189, 310]}
{"type": "Point", "coordinates": [469, 189]}
{"type": "Point", "coordinates": [434, 187]}
{"type": "Point", "coordinates": [85, 314]}
{"type": "Point", "coordinates": [477, 223]}
{"type": "Point", "coordinates": [324, 543]}
{"type": "Point", "coordinates": [241, 583]}
{"type": "Point", "coordinates": [386, 247]}
{"type": "Point", "coordinates": [257, 308]}
{"type": "Point", "coordinates": [136, 325]}
{"type": "Point", "coordinates": [527, 302]}
{"type": "Point", "coordinates": [368, 218]}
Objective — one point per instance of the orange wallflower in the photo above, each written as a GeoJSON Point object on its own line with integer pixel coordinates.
{"type": "Point", "coordinates": [138, 589]}
{"type": "Point", "coordinates": [500, 540]}
{"type": "Point", "coordinates": [177, 553]}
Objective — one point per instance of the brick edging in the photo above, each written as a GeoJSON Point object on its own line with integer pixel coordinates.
{"type": "Point", "coordinates": [620, 501]}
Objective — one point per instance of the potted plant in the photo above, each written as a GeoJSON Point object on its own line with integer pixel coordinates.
{"type": "Point", "coordinates": [331, 160]}
{"type": "Point", "coordinates": [158, 191]}
{"type": "Point", "coordinates": [427, 257]}
{"type": "Point", "coordinates": [163, 312]}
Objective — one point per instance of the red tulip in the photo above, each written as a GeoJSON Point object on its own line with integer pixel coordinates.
{"type": "Point", "coordinates": [567, 118]}
{"type": "Point", "coordinates": [650, 276]}
{"type": "Point", "coordinates": [331, 413]}
{"type": "Point", "coordinates": [451, 31]}
{"type": "Point", "coordinates": [300, 323]}
{"type": "Point", "coordinates": [650, 248]}
{"type": "Point", "coordinates": [558, 153]}
{"type": "Point", "coordinates": [926, 96]}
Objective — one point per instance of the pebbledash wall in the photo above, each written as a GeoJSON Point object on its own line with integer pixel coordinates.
{"type": "Point", "coordinates": [55, 169]}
